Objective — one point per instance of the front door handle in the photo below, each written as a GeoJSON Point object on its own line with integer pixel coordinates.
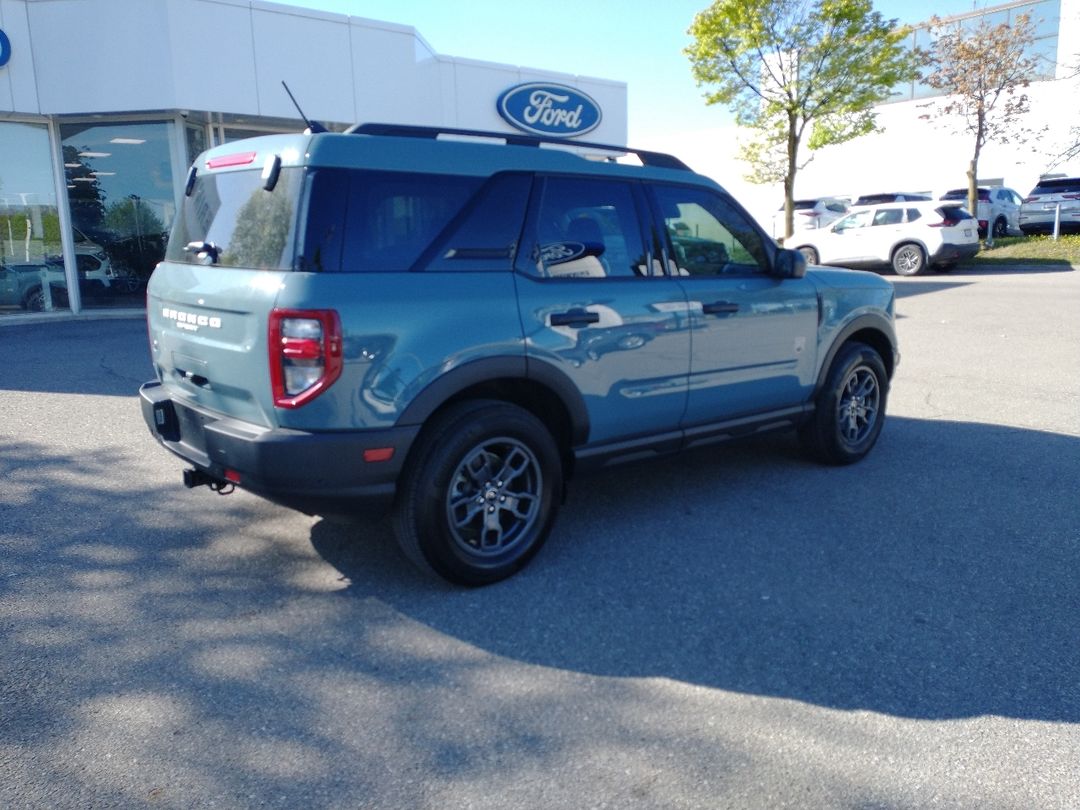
{"type": "Point", "coordinates": [720, 308]}
{"type": "Point", "coordinates": [574, 318]}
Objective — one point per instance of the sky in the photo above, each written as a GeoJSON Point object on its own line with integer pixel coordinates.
{"type": "Point", "coordinates": [639, 42]}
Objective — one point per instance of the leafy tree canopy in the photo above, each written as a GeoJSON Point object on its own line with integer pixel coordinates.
{"type": "Point", "coordinates": [982, 69]}
{"type": "Point", "coordinates": [793, 69]}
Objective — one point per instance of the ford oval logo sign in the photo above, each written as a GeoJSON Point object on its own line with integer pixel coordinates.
{"type": "Point", "coordinates": [5, 49]}
{"type": "Point", "coordinates": [549, 109]}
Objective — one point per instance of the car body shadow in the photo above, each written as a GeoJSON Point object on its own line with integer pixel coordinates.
{"type": "Point", "coordinates": [936, 579]}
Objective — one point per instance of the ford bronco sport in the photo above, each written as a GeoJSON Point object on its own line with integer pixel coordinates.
{"type": "Point", "coordinates": [451, 328]}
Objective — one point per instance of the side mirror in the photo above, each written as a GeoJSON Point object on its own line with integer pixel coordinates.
{"type": "Point", "coordinates": [789, 264]}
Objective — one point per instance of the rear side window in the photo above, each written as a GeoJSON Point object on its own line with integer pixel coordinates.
{"type": "Point", "coordinates": [889, 216]}
{"type": "Point", "coordinates": [230, 220]}
{"type": "Point", "coordinates": [392, 218]}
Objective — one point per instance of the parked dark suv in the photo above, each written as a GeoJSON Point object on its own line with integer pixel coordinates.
{"type": "Point", "coordinates": [452, 328]}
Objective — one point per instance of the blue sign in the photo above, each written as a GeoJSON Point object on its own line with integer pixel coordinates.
{"type": "Point", "coordinates": [549, 109]}
{"type": "Point", "coordinates": [5, 49]}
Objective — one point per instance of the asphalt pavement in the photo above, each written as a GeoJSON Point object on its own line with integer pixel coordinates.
{"type": "Point", "coordinates": [738, 628]}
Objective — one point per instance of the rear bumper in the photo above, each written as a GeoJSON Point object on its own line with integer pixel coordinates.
{"type": "Point", "coordinates": [950, 252]}
{"type": "Point", "coordinates": [316, 473]}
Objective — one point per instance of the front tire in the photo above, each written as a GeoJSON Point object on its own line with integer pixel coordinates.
{"type": "Point", "coordinates": [809, 254]}
{"type": "Point", "coordinates": [1001, 228]}
{"type": "Point", "coordinates": [909, 260]}
{"type": "Point", "coordinates": [850, 408]}
{"type": "Point", "coordinates": [479, 494]}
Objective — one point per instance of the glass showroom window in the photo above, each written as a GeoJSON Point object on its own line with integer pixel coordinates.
{"type": "Point", "coordinates": [120, 190]}
{"type": "Point", "coordinates": [31, 269]}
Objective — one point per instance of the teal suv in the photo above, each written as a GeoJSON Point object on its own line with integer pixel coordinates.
{"type": "Point", "coordinates": [452, 328]}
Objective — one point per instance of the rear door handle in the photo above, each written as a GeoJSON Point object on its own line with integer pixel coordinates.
{"type": "Point", "coordinates": [720, 308]}
{"type": "Point", "coordinates": [574, 318]}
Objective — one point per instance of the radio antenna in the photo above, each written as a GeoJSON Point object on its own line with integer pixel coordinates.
{"type": "Point", "coordinates": [313, 127]}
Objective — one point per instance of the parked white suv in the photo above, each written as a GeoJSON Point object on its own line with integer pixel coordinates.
{"type": "Point", "coordinates": [910, 236]}
{"type": "Point", "coordinates": [999, 208]}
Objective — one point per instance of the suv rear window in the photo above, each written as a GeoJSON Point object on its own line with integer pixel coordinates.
{"type": "Point", "coordinates": [953, 215]}
{"type": "Point", "coordinates": [1064, 185]}
{"type": "Point", "coordinates": [231, 221]}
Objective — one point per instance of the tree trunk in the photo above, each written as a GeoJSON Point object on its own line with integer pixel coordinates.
{"type": "Point", "coordinates": [789, 178]}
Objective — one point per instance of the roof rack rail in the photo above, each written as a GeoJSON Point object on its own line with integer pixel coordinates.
{"type": "Point", "coordinates": [647, 158]}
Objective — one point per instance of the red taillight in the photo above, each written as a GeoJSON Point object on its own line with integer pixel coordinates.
{"type": "Point", "coordinates": [239, 159]}
{"type": "Point", "coordinates": [305, 354]}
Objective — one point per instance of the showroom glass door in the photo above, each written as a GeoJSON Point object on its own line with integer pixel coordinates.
{"type": "Point", "coordinates": [122, 200]}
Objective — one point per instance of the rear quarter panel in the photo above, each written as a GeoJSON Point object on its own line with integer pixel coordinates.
{"type": "Point", "coordinates": [402, 332]}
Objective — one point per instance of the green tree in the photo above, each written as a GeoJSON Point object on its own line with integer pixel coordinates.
{"type": "Point", "coordinates": [982, 69]}
{"type": "Point", "coordinates": [262, 231]}
{"type": "Point", "coordinates": [794, 70]}
{"type": "Point", "coordinates": [133, 217]}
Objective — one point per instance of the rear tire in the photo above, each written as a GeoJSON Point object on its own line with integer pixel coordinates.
{"type": "Point", "coordinates": [479, 494]}
{"type": "Point", "coordinates": [850, 408]}
{"type": "Point", "coordinates": [909, 260]}
{"type": "Point", "coordinates": [1001, 227]}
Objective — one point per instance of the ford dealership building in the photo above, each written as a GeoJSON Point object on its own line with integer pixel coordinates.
{"type": "Point", "coordinates": [99, 119]}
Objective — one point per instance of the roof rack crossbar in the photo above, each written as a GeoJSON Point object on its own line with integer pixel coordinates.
{"type": "Point", "coordinates": [647, 157]}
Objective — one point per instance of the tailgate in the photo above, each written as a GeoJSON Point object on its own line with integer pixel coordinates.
{"type": "Point", "coordinates": [208, 336]}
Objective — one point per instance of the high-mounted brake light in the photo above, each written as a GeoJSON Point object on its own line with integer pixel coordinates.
{"type": "Point", "coordinates": [305, 354]}
{"type": "Point", "coordinates": [238, 159]}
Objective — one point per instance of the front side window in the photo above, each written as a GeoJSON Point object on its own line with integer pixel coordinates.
{"type": "Point", "coordinates": [586, 228]}
{"type": "Point", "coordinates": [860, 219]}
{"type": "Point", "coordinates": [708, 235]}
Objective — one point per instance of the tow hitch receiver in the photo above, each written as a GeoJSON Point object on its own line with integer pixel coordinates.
{"type": "Point", "coordinates": [197, 478]}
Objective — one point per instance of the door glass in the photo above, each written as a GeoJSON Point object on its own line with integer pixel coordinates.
{"type": "Point", "coordinates": [588, 229]}
{"type": "Point", "coordinates": [31, 268]}
{"type": "Point", "coordinates": [708, 235]}
{"type": "Point", "coordinates": [120, 189]}
{"type": "Point", "coordinates": [889, 216]}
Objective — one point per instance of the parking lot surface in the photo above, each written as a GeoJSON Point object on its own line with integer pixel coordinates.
{"type": "Point", "coordinates": [733, 629]}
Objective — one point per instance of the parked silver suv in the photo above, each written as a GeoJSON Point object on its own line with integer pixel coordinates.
{"type": "Point", "coordinates": [998, 208]}
{"type": "Point", "coordinates": [1050, 199]}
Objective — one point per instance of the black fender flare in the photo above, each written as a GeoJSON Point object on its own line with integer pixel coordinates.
{"type": "Point", "coordinates": [862, 323]}
{"type": "Point", "coordinates": [489, 369]}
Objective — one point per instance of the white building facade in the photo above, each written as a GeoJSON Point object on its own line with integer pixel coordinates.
{"type": "Point", "coordinates": [105, 103]}
{"type": "Point", "coordinates": [921, 150]}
